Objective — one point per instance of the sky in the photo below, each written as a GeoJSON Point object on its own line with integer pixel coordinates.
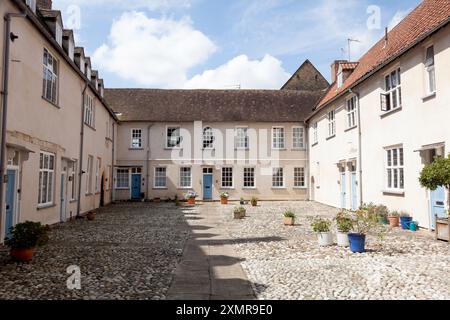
{"type": "Point", "coordinates": [223, 44]}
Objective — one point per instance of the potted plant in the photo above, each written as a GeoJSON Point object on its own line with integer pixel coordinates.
{"type": "Point", "coordinates": [190, 197]}
{"type": "Point", "coordinates": [25, 237]}
{"type": "Point", "coordinates": [394, 219]}
{"type": "Point", "coordinates": [239, 213]}
{"type": "Point", "coordinates": [224, 197]}
{"type": "Point", "coordinates": [242, 201]}
{"type": "Point", "coordinates": [344, 224]}
{"type": "Point", "coordinates": [405, 220]}
{"type": "Point", "coordinates": [289, 218]}
{"type": "Point", "coordinates": [91, 215]}
{"type": "Point", "coordinates": [382, 213]}
{"type": "Point", "coordinates": [254, 202]}
{"type": "Point", "coordinates": [322, 227]}
{"type": "Point", "coordinates": [364, 222]}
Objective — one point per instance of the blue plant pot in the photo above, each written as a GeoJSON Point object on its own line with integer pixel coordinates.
{"type": "Point", "coordinates": [357, 242]}
{"type": "Point", "coordinates": [405, 221]}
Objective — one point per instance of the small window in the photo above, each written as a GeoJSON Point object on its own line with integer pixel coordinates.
{"type": "Point", "coordinates": [185, 177]}
{"type": "Point", "coordinates": [298, 138]}
{"type": "Point", "coordinates": [89, 174]}
{"type": "Point", "coordinates": [58, 33]}
{"type": "Point", "coordinates": [98, 168]}
{"type": "Point", "coordinates": [173, 138]}
{"type": "Point", "coordinates": [73, 180]}
{"type": "Point", "coordinates": [351, 112]}
{"type": "Point", "coordinates": [430, 71]}
{"type": "Point", "coordinates": [46, 178]}
{"type": "Point", "coordinates": [242, 140]}
{"type": "Point", "coordinates": [89, 111]}
{"type": "Point", "coordinates": [278, 138]}
{"type": "Point", "coordinates": [136, 170]}
{"type": "Point", "coordinates": [395, 169]}
{"type": "Point", "coordinates": [278, 178]}
{"type": "Point", "coordinates": [392, 98]}
{"type": "Point", "coordinates": [50, 78]}
{"type": "Point", "coordinates": [331, 123]}
{"type": "Point", "coordinates": [208, 138]}
{"type": "Point", "coordinates": [136, 138]}
{"type": "Point", "coordinates": [122, 179]}
{"type": "Point", "coordinates": [315, 132]}
{"type": "Point", "coordinates": [227, 177]}
{"type": "Point", "coordinates": [160, 177]}
{"type": "Point", "coordinates": [249, 177]}
{"type": "Point", "coordinates": [299, 177]}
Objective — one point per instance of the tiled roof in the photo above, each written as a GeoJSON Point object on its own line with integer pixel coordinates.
{"type": "Point", "coordinates": [158, 105]}
{"type": "Point", "coordinates": [349, 65]}
{"type": "Point", "coordinates": [429, 16]}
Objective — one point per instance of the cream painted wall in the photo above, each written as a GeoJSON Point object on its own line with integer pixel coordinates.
{"type": "Point", "coordinates": [160, 156]}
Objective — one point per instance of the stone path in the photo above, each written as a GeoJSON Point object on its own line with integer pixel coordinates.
{"type": "Point", "coordinates": [210, 268]}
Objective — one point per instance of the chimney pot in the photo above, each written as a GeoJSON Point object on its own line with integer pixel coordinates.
{"type": "Point", "coordinates": [44, 4]}
{"type": "Point", "coordinates": [335, 69]}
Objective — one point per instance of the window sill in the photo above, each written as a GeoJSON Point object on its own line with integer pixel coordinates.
{"type": "Point", "coordinates": [298, 149]}
{"type": "Point", "coordinates": [185, 188]}
{"type": "Point", "coordinates": [314, 144]}
{"type": "Point", "coordinates": [226, 188]}
{"type": "Point", "coordinates": [242, 149]}
{"type": "Point", "coordinates": [46, 206]}
{"type": "Point", "coordinates": [249, 188]}
{"type": "Point", "coordinates": [88, 194]}
{"type": "Point", "coordinates": [279, 149]}
{"type": "Point", "coordinates": [394, 193]}
{"type": "Point", "coordinates": [429, 96]}
{"type": "Point", "coordinates": [350, 129]}
{"type": "Point", "coordinates": [208, 149]}
{"type": "Point", "coordinates": [73, 201]}
{"type": "Point", "coordinates": [123, 188]}
{"type": "Point", "coordinates": [300, 188]}
{"type": "Point", "coordinates": [170, 149]}
{"type": "Point", "coordinates": [89, 126]}
{"type": "Point", "coordinates": [160, 188]}
{"type": "Point", "coordinates": [278, 188]}
{"type": "Point", "coordinates": [331, 137]}
{"type": "Point", "coordinates": [388, 113]}
{"type": "Point", "coordinates": [51, 102]}
{"type": "Point", "coordinates": [136, 149]}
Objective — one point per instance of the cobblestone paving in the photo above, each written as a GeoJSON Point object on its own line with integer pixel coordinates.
{"type": "Point", "coordinates": [405, 265]}
{"type": "Point", "coordinates": [129, 252]}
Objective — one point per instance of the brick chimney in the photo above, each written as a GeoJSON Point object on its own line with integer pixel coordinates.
{"type": "Point", "coordinates": [44, 4]}
{"type": "Point", "coordinates": [335, 69]}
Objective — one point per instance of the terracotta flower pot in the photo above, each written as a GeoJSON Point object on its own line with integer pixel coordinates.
{"type": "Point", "coordinates": [224, 200]}
{"type": "Point", "coordinates": [191, 201]}
{"type": "Point", "coordinates": [91, 216]}
{"type": "Point", "coordinates": [394, 221]}
{"type": "Point", "coordinates": [22, 254]}
{"type": "Point", "coordinates": [289, 221]}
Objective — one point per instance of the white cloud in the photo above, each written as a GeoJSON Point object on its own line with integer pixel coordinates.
{"type": "Point", "coordinates": [266, 73]}
{"type": "Point", "coordinates": [153, 52]}
{"type": "Point", "coordinates": [398, 16]}
{"type": "Point", "coordinates": [129, 5]}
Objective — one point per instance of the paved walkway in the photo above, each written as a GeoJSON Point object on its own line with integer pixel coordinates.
{"type": "Point", "coordinates": [210, 268]}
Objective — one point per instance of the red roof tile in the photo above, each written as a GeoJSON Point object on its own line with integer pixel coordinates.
{"type": "Point", "coordinates": [429, 16]}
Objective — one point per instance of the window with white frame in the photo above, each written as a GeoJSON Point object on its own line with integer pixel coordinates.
{"type": "Point", "coordinates": [242, 141]}
{"type": "Point", "coordinates": [208, 138]}
{"type": "Point", "coordinates": [89, 174]}
{"type": "Point", "coordinates": [298, 138]}
{"type": "Point", "coordinates": [50, 78]}
{"type": "Point", "coordinates": [160, 180]}
{"type": "Point", "coordinates": [136, 138]}
{"type": "Point", "coordinates": [89, 110]}
{"type": "Point", "coordinates": [278, 141]}
{"type": "Point", "coordinates": [73, 180]}
{"type": "Point", "coordinates": [351, 112]}
{"type": "Point", "coordinates": [315, 132]}
{"type": "Point", "coordinates": [392, 98]}
{"type": "Point", "coordinates": [430, 70]}
{"type": "Point", "coordinates": [173, 137]}
{"type": "Point", "coordinates": [46, 178]}
{"type": "Point", "coordinates": [249, 177]}
{"type": "Point", "coordinates": [299, 177]}
{"type": "Point", "coordinates": [98, 167]}
{"type": "Point", "coordinates": [185, 177]}
{"type": "Point", "coordinates": [331, 123]}
{"type": "Point", "coordinates": [227, 177]}
{"type": "Point", "coordinates": [278, 178]}
{"type": "Point", "coordinates": [395, 176]}
{"type": "Point", "coordinates": [122, 178]}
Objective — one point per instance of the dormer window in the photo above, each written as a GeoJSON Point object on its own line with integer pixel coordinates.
{"type": "Point", "coordinates": [32, 5]}
{"type": "Point", "coordinates": [71, 49]}
{"type": "Point", "coordinates": [340, 79]}
{"type": "Point", "coordinates": [88, 71]}
{"type": "Point", "coordinates": [430, 71]}
{"type": "Point", "coordinates": [58, 33]}
{"type": "Point", "coordinates": [82, 65]}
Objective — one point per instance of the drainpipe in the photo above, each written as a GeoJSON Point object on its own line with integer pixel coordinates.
{"type": "Point", "coordinates": [8, 37]}
{"type": "Point", "coordinates": [80, 169]}
{"type": "Point", "coordinates": [308, 161]}
{"type": "Point", "coordinates": [147, 160]}
{"type": "Point", "coordinates": [361, 199]}
{"type": "Point", "coordinates": [113, 185]}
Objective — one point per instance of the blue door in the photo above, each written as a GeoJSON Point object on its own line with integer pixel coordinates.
{"type": "Point", "coordinates": [10, 201]}
{"type": "Point", "coordinates": [354, 192]}
{"type": "Point", "coordinates": [62, 209]}
{"type": "Point", "coordinates": [343, 190]}
{"type": "Point", "coordinates": [437, 199]}
{"type": "Point", "coordinates": [136, 186]}
{"type": "Point", "coordinates": [207, 186]}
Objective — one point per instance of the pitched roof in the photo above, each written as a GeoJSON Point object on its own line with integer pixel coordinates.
{"type": "Point", "coordinates": [349, 65]}
{"type": "Point", "coordinates": [424, 20]}
{"type": "Point", "coordinates": [307, 78]}
{"type": "Point", "coordinates": [158, 105]}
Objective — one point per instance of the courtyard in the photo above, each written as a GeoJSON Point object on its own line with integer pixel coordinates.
{"type": "Point", "coordinates": [161, 251]}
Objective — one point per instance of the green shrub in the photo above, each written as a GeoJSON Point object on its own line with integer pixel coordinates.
{"type": "Point", "coordinates": [27, 235]}
{"type": "Point", "coordinates": [289, 214]}
{"type": "Point", "coordinates": [344, 222]}
{"type": "Point", "coordinates": [319, 224]}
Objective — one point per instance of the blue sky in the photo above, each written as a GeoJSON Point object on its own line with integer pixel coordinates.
{"type": "Point", "coordinates": [222, 43]}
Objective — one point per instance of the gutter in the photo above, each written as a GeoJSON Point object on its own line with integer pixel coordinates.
{"type": "Point", "coordinates": [113, 185]}
{"type": "Point", "coordinates": [8, 37]}
{"type": "Point", "coordinates": [147, 164]}
{"type": "Point", "coordinates": [80, 169]}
